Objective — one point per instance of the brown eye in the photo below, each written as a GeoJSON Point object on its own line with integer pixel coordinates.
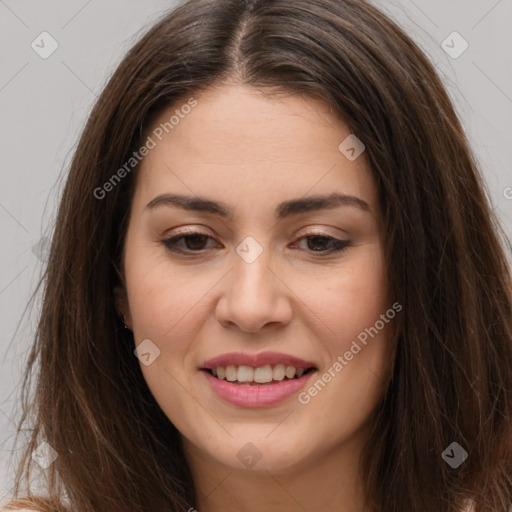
{"type": "Point", "coordinates": [192, 242]}
{"type": "Point", "coordinates": [324, 244]}
{"type": "Point", "coordinates": [318, 243]}
{"type": "Point", "coordinates": [196, 242]}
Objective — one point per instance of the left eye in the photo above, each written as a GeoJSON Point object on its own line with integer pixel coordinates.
{"type": "Point", "coordinates": [195, 242]}
{"type": "Point", "coordinates": [320, 243]}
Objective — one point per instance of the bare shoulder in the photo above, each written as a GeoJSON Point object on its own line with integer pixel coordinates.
{"type": "Point", "coordinates": [12, 507]}
{"type": "Point", "coordinates": [469, 506]}
{"type": "Point", "coordinates": [3, 509]}
{"type": "Point", "coordinates": [29, 505]}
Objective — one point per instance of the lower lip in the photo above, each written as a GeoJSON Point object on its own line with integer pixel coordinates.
{"type": "Point", "coordinates": [261, 395]}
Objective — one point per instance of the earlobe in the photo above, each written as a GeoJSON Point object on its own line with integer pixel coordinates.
{"type": "Point", "coordinates": [121, 305]}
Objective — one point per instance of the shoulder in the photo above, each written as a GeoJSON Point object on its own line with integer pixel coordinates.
{"type": "Point", "coordinates": [469, 506]}
{"type": "Point", "coordinates": [25, 505]}
{"type": "Point", "coordinates": [7, 507]}
{"type": "Point", "coordinates": [3, 509]}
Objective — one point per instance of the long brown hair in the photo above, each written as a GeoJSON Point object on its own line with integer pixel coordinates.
{"type": "Point", "coordinates": [452, 375]}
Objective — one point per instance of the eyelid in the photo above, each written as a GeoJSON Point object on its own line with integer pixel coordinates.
{"type": "Point", "coordinates": [188, 230]}
{"type": "Point", "coordinates": [339, 244]}
{"type": "Point", "coordinates": [195, 231]}
{"type": "Point", "coordinates": [317, 231]}
{"type": "Point", "coordinates": [180, 234]}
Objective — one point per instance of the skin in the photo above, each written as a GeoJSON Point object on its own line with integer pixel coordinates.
{"type": "Point", "coordinates": [253, 152]}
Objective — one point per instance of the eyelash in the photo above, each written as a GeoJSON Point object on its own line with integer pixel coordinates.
{"type": "Point", "coordinates": [339, 245]}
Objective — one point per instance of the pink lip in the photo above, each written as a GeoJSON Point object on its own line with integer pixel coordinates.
{"type": "Point", "coordinates": [256, 360]}
{"type": "Point", "coordinates": [255, 396]}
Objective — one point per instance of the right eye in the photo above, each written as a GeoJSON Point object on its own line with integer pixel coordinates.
{"type": "Point", "coordinates": [193, 242]}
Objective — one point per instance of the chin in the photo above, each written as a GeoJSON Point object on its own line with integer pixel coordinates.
{"type": "Point", "coordinates": [260, 454]}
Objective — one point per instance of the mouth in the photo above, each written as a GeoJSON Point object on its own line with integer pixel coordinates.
{"type": "Point", "coordinates": [266, 375]}
{"type": "Point", "coordinates": [257, 380]}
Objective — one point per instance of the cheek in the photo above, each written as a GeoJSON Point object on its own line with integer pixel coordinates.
{"type": "Point", "coordinates": [168, 302]}
{"type": "Point", "coordinates": [157, 287]}
{"type": "Point", "coordinates": [163, 302]}
{"type": "Point", "coordinates": [349, 299]}
{"type": "Point", "coordinates": [166, 307]}
{"type": "Point", "coordinates": [354, 378]}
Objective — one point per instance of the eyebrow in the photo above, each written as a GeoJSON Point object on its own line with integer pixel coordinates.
{"type": "Point", "coordinates": [284, 209]}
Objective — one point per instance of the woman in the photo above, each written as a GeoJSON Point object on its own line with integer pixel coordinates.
{"type": "Point", "coordinates": [275, 281]}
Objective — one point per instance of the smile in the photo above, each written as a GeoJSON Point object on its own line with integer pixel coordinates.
{"type": "Point", "coordinates": [261, 375]}
{"type": "Point", "coordinates": [256, 380]}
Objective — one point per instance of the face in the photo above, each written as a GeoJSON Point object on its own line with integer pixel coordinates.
{"type": "Point", "coordinates": [258, 281]}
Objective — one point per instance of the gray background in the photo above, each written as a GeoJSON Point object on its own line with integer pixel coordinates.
{"type": "Point", "coordinates": [44, 104]}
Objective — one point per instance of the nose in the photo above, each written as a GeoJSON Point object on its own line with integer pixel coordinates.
{"type": "Point", "coordinates": [255, 296]}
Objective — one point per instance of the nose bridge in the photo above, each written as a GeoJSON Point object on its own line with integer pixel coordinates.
{"type": "Point", "coordinates": [254, 296]}
{"type": "Point", "coordinates": [251, 275]}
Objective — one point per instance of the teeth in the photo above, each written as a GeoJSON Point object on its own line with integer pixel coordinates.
{"type": "Point", "coordinates": [263, 374]}
{"type": "Point", "coordinates": [279, 372]}
{"type": "Point", "coordinates": [231, 373]}
{"type": "Point", "coordinates": [290, 372]}
{"type": "Point", "coordinates": [245, 374]}
{"type": "Point", "coordinates": [260, 375]}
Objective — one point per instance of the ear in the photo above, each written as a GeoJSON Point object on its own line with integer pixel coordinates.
{"type": "Point", "coordinates": [122, 306]}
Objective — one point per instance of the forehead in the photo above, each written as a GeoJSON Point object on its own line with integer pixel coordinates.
{"type": "Point", "coordinates": [237, 141]}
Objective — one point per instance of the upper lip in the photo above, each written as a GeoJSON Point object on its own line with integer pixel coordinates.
{"type": "Point", "coordinates": [256, 360]}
